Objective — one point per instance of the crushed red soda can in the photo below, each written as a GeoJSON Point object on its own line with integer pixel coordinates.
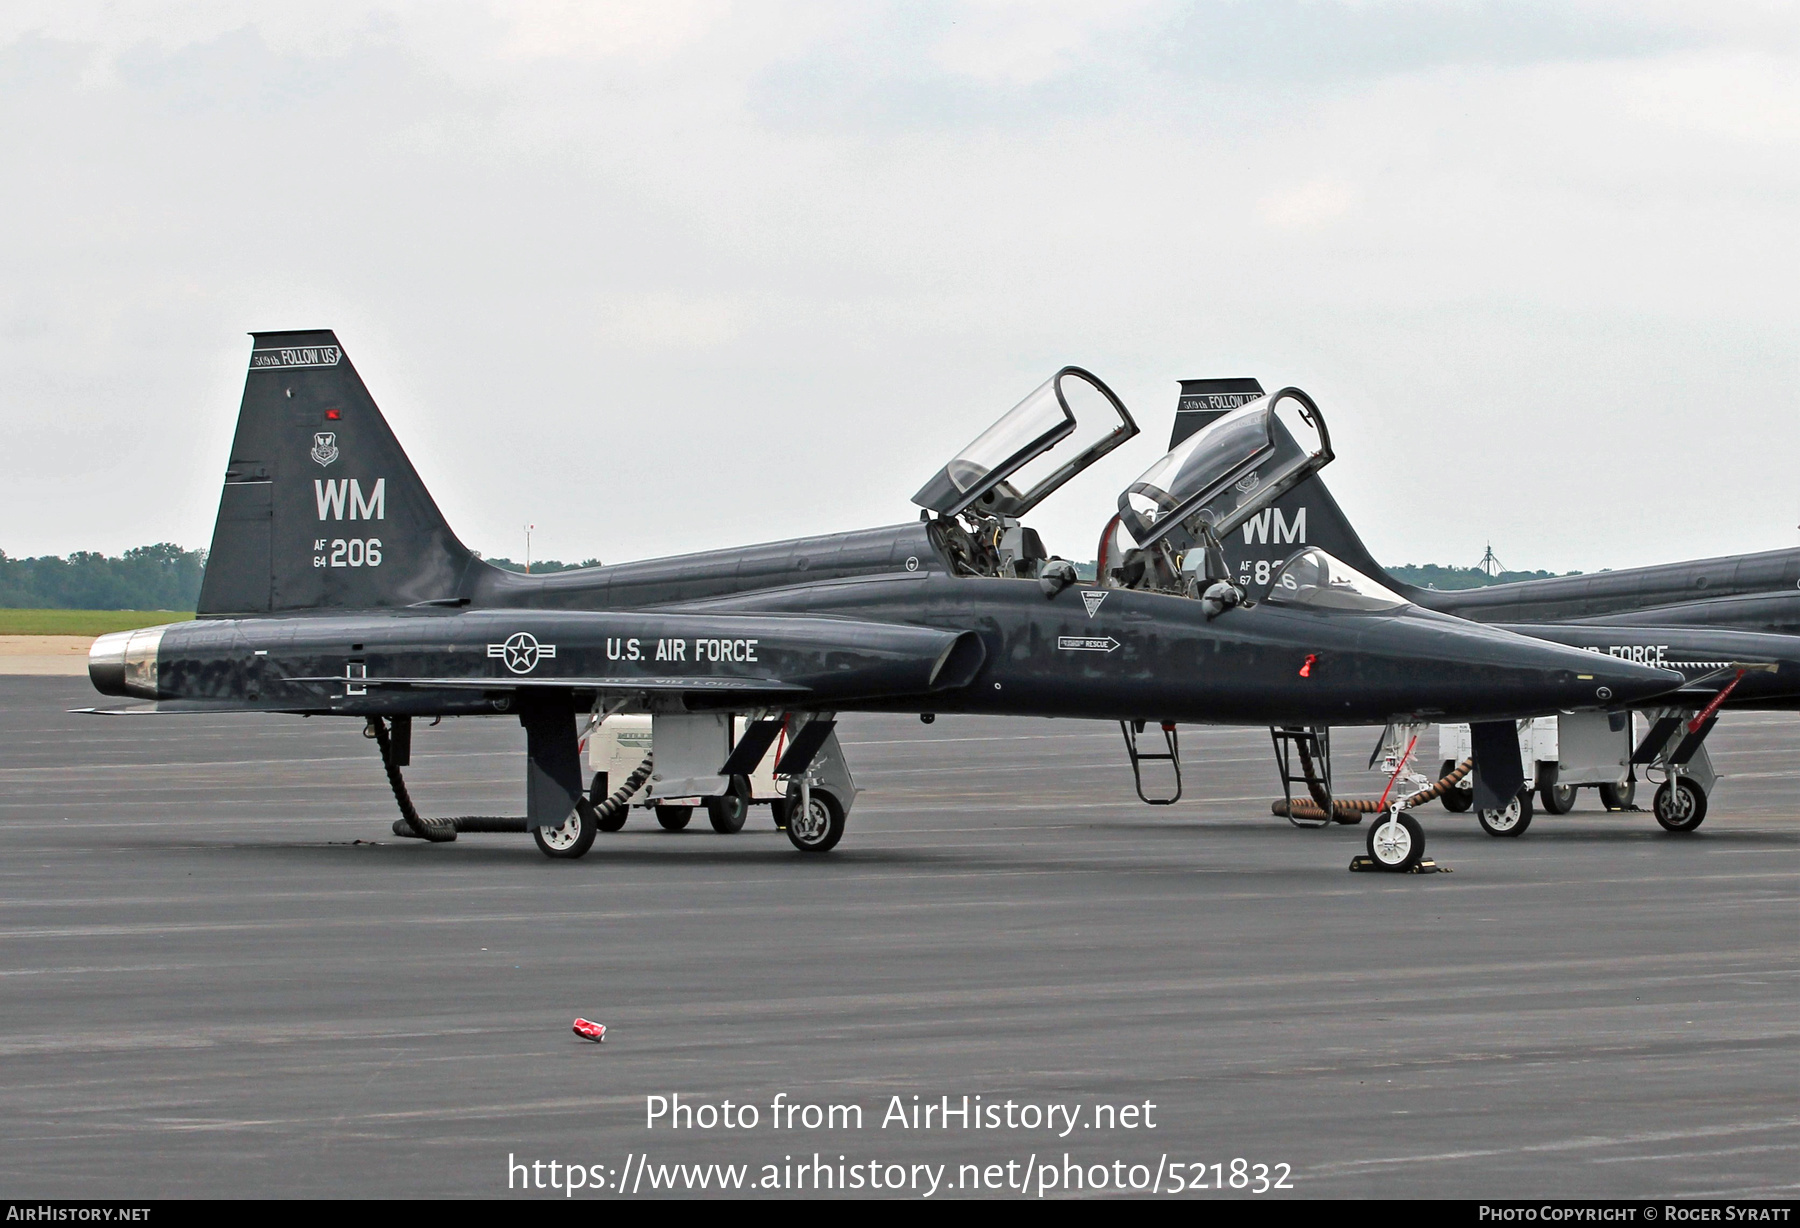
{"type": "Point", "coordinates": [589, 1030]}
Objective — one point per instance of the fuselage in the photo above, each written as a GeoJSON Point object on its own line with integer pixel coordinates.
{"type": "Point", "coordinates": [799, 624]}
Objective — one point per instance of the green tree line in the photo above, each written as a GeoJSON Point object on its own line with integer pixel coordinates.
{"type": "Point", "coordinates": [166, 577]}
{"type": "Point", "coordinates": [1433, 575]}
{"type": "Point", "coordinates": [159, 577]}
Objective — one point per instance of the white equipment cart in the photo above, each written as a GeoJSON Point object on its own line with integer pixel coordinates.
{"type": "Point", "coordinates": [1560, 754]}
{"type": "Point", "coordinates": [619, 747]}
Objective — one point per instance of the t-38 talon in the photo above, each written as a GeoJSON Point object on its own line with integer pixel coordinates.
{"type": "Point", "coordinates": [336, 588]}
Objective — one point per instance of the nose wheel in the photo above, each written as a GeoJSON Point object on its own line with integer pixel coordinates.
{"type": "Point", "coordinates": [1397, 844]}
{"type": "Point", "coordinates": [815, 820]}
{"type": "Point", "coordinates": [1680, 808]}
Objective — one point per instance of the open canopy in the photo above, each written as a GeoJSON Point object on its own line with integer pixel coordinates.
{"type": "Point", "coordinates": [1228, 471]}
{"type": "Point", "coordinates": [1007, 470]}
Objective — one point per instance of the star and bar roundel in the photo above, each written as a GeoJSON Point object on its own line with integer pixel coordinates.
{"type": "Point", "coordinates": [521, 652]}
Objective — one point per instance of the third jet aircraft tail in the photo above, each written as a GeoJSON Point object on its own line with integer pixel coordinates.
{"type": "Point", "coordinates": [1751, 592]}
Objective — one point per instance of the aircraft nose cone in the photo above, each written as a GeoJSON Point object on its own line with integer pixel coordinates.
{"type": "Point", "coordinates": [1484, 672]}
{"type": "Point", "coordinates": [1621, 682]}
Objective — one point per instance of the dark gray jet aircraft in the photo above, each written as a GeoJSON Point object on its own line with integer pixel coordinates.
{"type": "Point", "coordinates": [1727, 624]}
{"type": "Point", "coordinates": [335, 587]}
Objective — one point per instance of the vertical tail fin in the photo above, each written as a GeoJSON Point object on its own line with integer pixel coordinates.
{"type": "Point", "coordinates": [1306, 516]}
{"type": "Point", "coordinates": [321, 508]}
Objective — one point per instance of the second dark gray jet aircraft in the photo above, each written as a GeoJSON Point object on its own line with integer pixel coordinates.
{"type": "Point", "coordinates": [335, 587]}
{"type": "Point", "coordinates": [1727, 624]}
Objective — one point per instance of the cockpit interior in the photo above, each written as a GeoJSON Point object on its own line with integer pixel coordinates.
{"type": "Point", "coordinates": [1167, 532]}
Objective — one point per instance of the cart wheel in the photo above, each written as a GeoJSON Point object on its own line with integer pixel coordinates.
{"type": "Point", "coordinates": [1558, 799]}
{"type": "Point", "coordinates": [674, 818]}
{"type": "Point", "coordinates": [819, 827]}
{"type": "Point", "coordinates": [1456, 799]}
{"type": "Point", "coordinates": [1512, 820]}
{"type": "Point", "coordinates": [573, 838]}
{"type": "Point", "coordinates": [1618, 797]}
{"type": "Point", "coordinates": [1398, 844]}
{"type": "Point", "coordinates": [1680, 812]}
{"type": "Point", "coordinates": [726, 813]}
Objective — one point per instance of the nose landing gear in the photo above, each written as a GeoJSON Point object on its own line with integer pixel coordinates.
{"type": "Point", "coordinates": [1398, 844]}
{"type": "Point", "coordinates": [1680, 805]}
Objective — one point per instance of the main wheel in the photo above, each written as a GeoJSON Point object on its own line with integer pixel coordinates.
{"type": "Point", "coordinates": [674, 818]}
{"type": "Point", "coordinates": [573, 838]}
{"type": "Point", "coordinates": [1396, 844]}
{"type": "Point", "coordinates": [1558, 799]}
{"type": "Point", "coordinates": [1618, 797]}
{"type": "Point", "coordinates": [817, 828]}
{"type": "Point", "coordinates": [1456, 799]}
{"type": "Point", "coordinates": [1683, 811]}
{"type": "Point", "coordinates": [727, 812]}
{"type": "Point", "coordinates": [1511, 820]}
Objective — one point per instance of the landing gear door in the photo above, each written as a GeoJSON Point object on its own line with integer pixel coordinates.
{"type": "Point", "coordinates": [1008, 469]}
{"type": "Point", "coordinates": [1227, 472]}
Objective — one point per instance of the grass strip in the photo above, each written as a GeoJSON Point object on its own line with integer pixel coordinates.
{"type": "Point", "coordinates": [84, 622]}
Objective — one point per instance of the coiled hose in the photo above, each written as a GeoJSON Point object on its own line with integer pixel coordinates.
{"type": "Point", "coordinates": [1305, 808]}
{"type": "Point", "coordinates": [614, 805]}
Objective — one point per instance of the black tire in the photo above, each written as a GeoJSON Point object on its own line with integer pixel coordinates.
{"type": "Point", "coordinates": [1397, 854]}
{"type": "Point", "coordinates": [674, 818]}
{"type": "Point", "coordinates": [1683, 812]}
{"type": "Point", "coordinates": [1510, 821]}
{"type": "Point", "coordinates": [778, 811]}
{"type": "Point", "coordinates": [826, 825]}
{"type": "Point", "coordinates": [573, 839]}
{"type": "Point", "coordinates": [728, 812]}
{"type": "Point", "coordinates": [1456, 799]}
{"type": "Point", "coordinates": [1558, 799]}
{"type": "Point", "coordinates": [1618, 797]}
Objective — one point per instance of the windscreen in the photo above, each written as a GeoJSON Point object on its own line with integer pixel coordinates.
{"type": "Point", "coordinates": [1040, 418]}
{"type": "Point", "coordinates": [1225, 472]}
{"type": "Point", "coordinates": [1197, 463]}
{"type": "Point", "coordinates": [1315, 578]}
{"type": "Point", "coordinates": [1014, 464]}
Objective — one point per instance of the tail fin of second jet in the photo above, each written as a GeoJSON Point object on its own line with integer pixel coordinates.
{"type": "Point", "coordinates": [321, 507]}
{"type": "Point", "coordinates": [1306, 516]}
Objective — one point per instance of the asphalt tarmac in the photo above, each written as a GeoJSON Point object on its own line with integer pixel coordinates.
{"type": "Point", "coordinates": [211, 984]}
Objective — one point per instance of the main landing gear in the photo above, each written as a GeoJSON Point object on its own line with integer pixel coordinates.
{"type": "Point", "coordinates": [573, 838]}
{"type": "Point", "coordinates": [1510, 820]}
{"type": "Point", "coordinates": [820, 789]}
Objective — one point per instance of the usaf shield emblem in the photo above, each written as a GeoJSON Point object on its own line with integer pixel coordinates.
{"type": "Point", "coordinates": [325, 449]}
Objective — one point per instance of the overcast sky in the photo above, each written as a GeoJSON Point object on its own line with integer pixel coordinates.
{"type": "Point", "coordinates": [672, 275]}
